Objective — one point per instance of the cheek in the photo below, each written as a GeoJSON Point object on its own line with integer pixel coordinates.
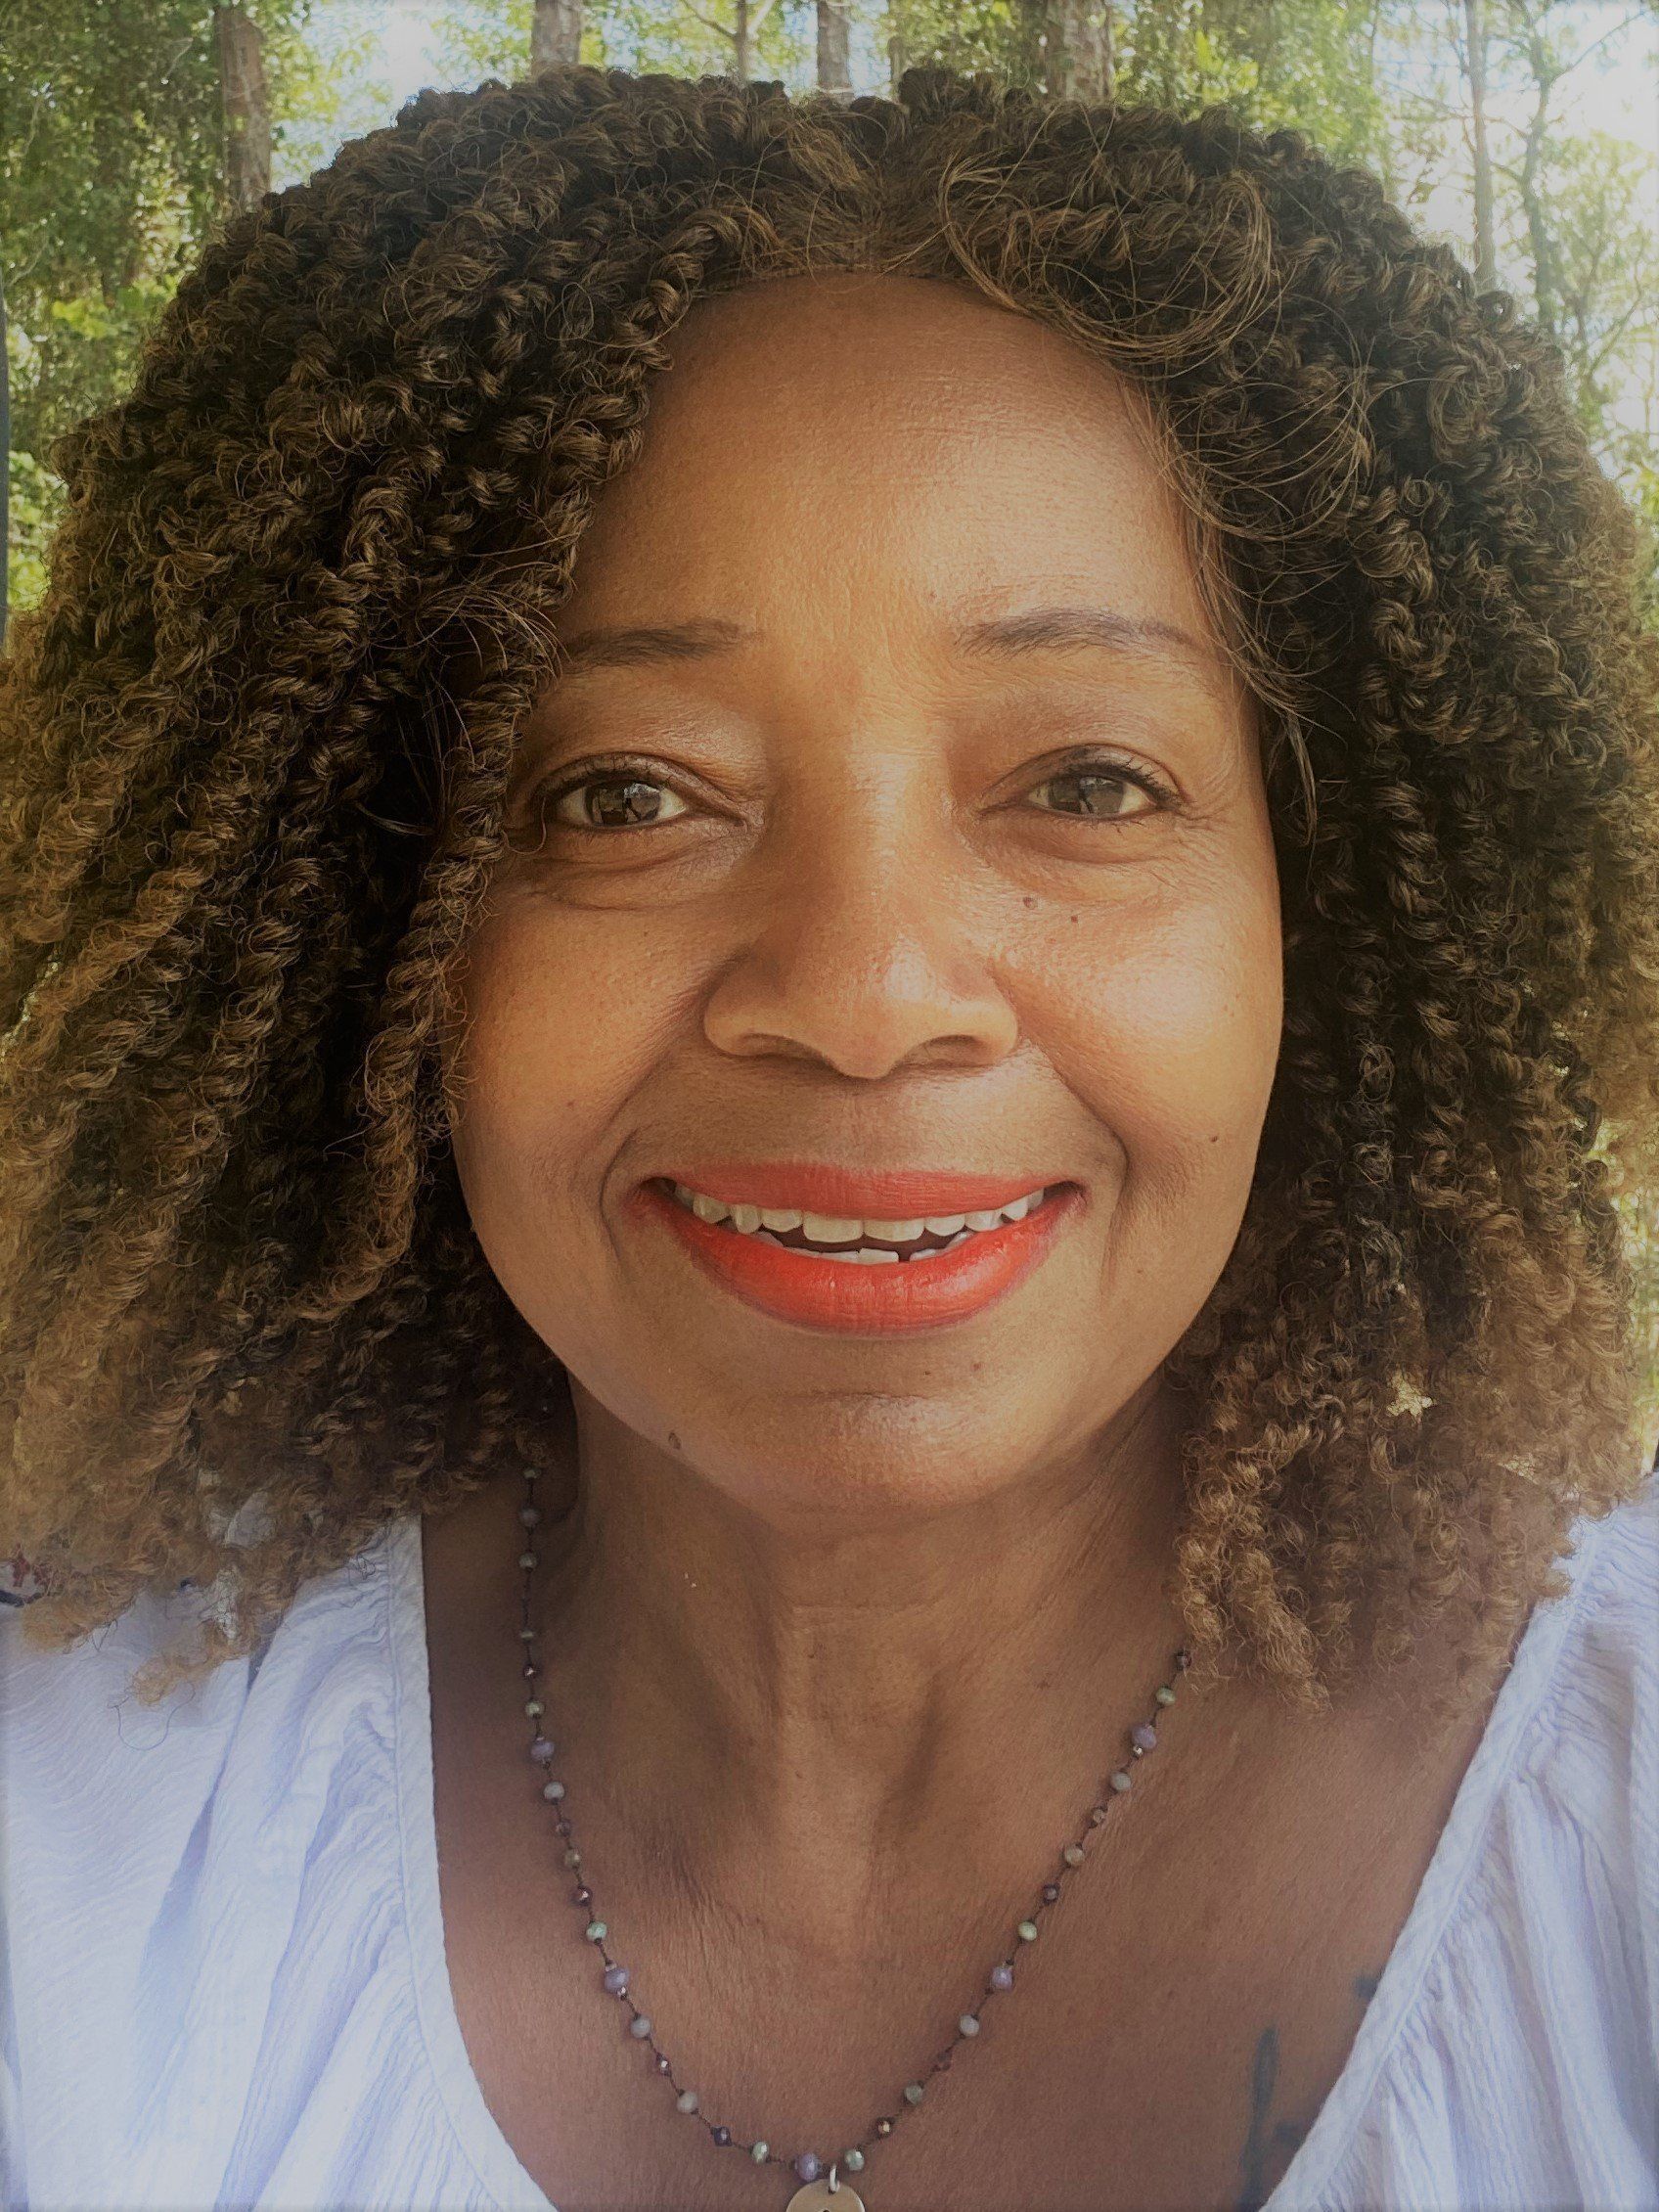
{"type": "Point", "coordinates": [565, 1015]}
{"type": "Point", "coordinates": [1171, 1024]}
{"type": "Point", "coordinates": [1173, 1046]}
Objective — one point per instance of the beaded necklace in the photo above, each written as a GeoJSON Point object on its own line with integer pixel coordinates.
{"type": "Point", "coordinates": [821, 2191]}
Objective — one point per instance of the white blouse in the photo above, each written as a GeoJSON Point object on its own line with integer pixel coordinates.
{"type": "Point", "coordinates": [223, 1984]}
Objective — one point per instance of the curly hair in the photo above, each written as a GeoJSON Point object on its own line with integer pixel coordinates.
{"type": "Point", "coordinates": [255, 737]}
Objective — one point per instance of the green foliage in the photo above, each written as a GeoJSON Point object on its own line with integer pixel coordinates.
{"type": "Point", "coordinates": [36, 502]}
{"type": "Point", "coordinates": [108, 139]}
{"type": "Point", "coordinates": [328, 83]}
{"type": "Point", "coordinates": [1182, 56]}
{"type": "Point", "coordinates": [1599, 194]}
{"type": "Point", "coordinates": [1310, 66]}
{"type": "Point", "coordinates": [1638, 477]}
{"type": "Point", "coordinates": [1002, 37]}
{"type": "Point", "coordinates": [473, 41]}
{"type": "Point", "coordinates": [111, 175]}
{"type": "Point", "coordinates": [482, 38]}
{"type": "Point", "coordinates": [653, 34]}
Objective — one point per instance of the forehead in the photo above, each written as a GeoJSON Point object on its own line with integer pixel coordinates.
{"type": "Point", "coordinates": [820, 440]}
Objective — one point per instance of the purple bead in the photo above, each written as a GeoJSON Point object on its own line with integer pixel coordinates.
{"type": "Point", "coordinates": [722, 2136]}
{"type": "Point", "coordinates": [1143, 1734]}
{"type": "Point", "coordinates": [807, 2166]}
{"type": "Point", "coordinates": [616, 1979]}
{"type": "Point", "coordinates": [1002, 1977]}
{"type": "Point", "coordinates": [1050, 1893]}
{"type": "Point", "coordinates": [541, 1750]}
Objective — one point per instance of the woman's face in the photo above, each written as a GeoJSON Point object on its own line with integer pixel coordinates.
{"type": "Point", "coordinates": [832, 879]}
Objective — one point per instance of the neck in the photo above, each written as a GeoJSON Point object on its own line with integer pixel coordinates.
{"type": "Point", "coordinates": [803, 1719]}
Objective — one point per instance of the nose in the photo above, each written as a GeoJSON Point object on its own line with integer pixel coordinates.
{"type": "Point", "coordinates": [860, 949]}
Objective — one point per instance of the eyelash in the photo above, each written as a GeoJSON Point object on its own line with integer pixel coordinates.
{"type": "Point", "coordinates": [627, 768]}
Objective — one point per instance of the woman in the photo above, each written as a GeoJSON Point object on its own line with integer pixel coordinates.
{"type": "Point", "coordinates": [824, 915]}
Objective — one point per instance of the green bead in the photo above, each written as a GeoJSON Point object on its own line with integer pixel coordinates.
{"type": "Point", "coordinates": [596, 1931]}
{"type": "Point", "coordinates": [1164, 1694]}
{"type": "Point", "coordinates": [1073, 1854]}
{"type": "Point", "coordinates": [760, 2152]}
{"type": "Point", "coordinates": [1120, 1780]}
{"type": "Point", "coordinates": [853, 2160]}
{"type": "Point", "coordinates": [913, 2093]}
{"type": "Point", "coordinates": [1029, 1930]}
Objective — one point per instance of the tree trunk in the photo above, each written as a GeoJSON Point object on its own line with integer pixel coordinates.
{"type": "Point", "coordinates": [245, 108]}
{"type": "Point", "coordinates": [1531, 188]}
{"type": "Point", "coordinates": [1384, 156]}
{"type": "Point", "coordinates": [1538, 238]}
{"type": "Point", "coordinates": [1058, 63]}
{"type": "Point", "coordinates": [743, 44]}
{"type": "Point", "coordinates": [898, 59]}
{"type": "Point", "coordinates": [1077, 37]}
{"type": "Point", "coordinates": [835, 65]}
{"type": "Point", "coordinates": [556, 35]}
{"type": "Point", "coordinates": [1486, 249]}
{"type": "Point", "coordinates": [1108, 56]}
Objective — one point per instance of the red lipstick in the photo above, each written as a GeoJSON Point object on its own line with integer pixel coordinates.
{"type": "Point", "coordinates": [899, 1295]}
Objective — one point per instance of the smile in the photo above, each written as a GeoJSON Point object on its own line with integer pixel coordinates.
{"type": "Point", "coordinates": [862, 1275]}
{"type": "Point", "coordinates": [863, 1243]}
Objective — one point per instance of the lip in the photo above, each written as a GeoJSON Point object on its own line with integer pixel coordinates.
{"type": "Point", "coordinates": [845, 1193]}
{"type": "Point", "coordinates": [838, 1295]}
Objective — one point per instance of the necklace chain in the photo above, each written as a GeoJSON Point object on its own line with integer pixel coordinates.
{"type": "Point", "coordinates": [807, 2166]}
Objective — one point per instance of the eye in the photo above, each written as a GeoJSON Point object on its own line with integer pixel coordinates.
{"type": "Point", "coordinates": [616, 796]}
{"type": "Point", "coordinates": [1096, 781]}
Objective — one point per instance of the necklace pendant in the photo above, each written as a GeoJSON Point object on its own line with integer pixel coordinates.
{"type": "Point", "coordinates": [817, 2196]}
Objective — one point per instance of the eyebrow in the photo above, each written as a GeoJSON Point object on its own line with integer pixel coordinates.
{"type": "Point", "coordinates": [1038, 629]}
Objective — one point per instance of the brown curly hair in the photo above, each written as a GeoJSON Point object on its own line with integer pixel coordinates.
{"type": "Point", "coordinates": [255, 737]}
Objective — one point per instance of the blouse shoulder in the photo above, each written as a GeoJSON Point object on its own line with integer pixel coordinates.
{"type": "Point", "coordinates": [75, 1740]}
{"type": "Point", "coordinates": [1520, 2063]}
{"type": "Point", "coordinates": [186, 1884]}
{"type": "Point", "coordinates": [1599, 1740]}
{"type": "Point", "coordinates": [1584, 1799]}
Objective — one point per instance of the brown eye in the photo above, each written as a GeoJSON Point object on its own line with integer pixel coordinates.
{"type": "Point", "coordinates": [618, 799]}
{"type": "Point", "coordinates": [1096, 791]}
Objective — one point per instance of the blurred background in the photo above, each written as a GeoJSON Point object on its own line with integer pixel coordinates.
{"type": "Point", "coordinates": [1525, 133]}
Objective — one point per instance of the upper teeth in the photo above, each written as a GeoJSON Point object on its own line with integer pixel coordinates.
{"type": "Point", "coordinates": [827, 1229]}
